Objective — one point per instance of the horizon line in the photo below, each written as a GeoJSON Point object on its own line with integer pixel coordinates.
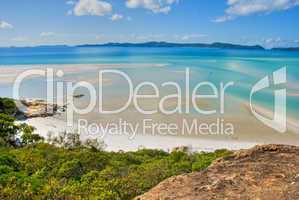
{"type": "Point", "coordinates": [146, 42]}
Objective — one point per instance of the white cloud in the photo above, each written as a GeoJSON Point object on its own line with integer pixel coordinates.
{"type": "Point", "coordinates": [47, 34]}
{"type": "Point", "coordinates": [149, 37]}
{"type": "Point", "coordinates": [116, 17]}
{"type": "Point", "coordinates": [92, 7]}
{"type": "Point", "coordinates": [5, 25]}
{"type": "Point", "coordinates": [156, 6]}
{"type": "Point", "coordinates": [223, 19]}
{"type": "Point", "coordinates": [230, 2]}
{"type": "Point", "coordinates": [272, 42]}
{"type": "Point", "coordinates": [249, 7]}
{"type": "Point", "coordinates": [279, 42]}
{"type": "Point", "coordinates": [192, 36]}
{"type": "Point", "coordinates": [70, 3]}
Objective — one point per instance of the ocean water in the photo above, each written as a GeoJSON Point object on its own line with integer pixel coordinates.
{"type": "Point", "coordinates": [243, 67]}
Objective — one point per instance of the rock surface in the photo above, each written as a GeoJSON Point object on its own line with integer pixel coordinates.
{"type": "Point", "coordinates": [31, 108]}
{"type": "Point", "coordinates": [263, 172]}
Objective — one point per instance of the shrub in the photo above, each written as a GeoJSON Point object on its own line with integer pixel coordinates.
{"type": "Point", "coordinates": [8, 106]}
{"type": "Point", "coordinates": [43, 171]}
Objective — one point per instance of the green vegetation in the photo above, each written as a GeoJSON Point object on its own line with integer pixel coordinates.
{"type": "Point", "coordinates": [43, 171]}
{"type": "Point", "coordinates": [8, 106]}
{"type": "Point", "coordinates": [64, 168]}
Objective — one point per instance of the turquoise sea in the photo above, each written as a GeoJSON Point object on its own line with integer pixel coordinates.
{"type": "Point", "coordinates": [243, 67]}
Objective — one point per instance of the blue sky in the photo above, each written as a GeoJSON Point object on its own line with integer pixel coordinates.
{"type": "Point", "coordinates": [266, 22]}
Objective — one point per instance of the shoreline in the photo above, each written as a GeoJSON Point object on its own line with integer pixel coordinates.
{"type": "Point", "coordinates": [123, 142]}
{"type": "Point", "coordinates": [245, 136]}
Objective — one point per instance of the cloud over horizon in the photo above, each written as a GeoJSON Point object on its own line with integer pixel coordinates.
{"type": "Point", "coordinates": [238, 8]}
{"type": "Point", "coordinates": [187, 37]}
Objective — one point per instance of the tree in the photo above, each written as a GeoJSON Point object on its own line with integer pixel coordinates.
{"type": "Point", "coordinates": [8, 106]}
{"type": "Point", "coordinates": [95, 144]}
{"type": "Point", "coordinates": [28, 137]}
{"type": "Point", "coordinates": [8, 130]}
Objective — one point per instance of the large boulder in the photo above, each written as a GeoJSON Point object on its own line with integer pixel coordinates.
{"type": "Point", "coordinates": [263, 172]}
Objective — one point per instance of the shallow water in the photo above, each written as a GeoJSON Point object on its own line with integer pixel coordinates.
{"type": "Point", "coordinates": [244, 67]}
{"type": "Point", "coordinates": [158, 65]}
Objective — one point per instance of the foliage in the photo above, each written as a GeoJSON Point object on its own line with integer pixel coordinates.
{"type": "Point", "coordinates": [72, 141]}
{"type": "Point", "coordinates": [66, 168]}
{"type": "Point", "coordinates": [9, 131]}
{"type": "Point", "coordinates": [27, 135]}
{"type": "Point", "coordinates": [8, 106]}
{"type": "Point", "coordinates": [43, 171]}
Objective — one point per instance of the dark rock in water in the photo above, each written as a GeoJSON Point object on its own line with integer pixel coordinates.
{"type": "Point", "coordinates": [263, 172]}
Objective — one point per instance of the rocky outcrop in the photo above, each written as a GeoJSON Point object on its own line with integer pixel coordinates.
{"type": "Point", "coordinates": [263, 172]}
{"type": "Point", "coordinates": [31, 108]}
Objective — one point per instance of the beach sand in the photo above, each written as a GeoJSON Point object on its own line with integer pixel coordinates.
{"type": "Point", "coordinates": [248, 131]}
{"type": "Point", "coordinates": [125, 143]}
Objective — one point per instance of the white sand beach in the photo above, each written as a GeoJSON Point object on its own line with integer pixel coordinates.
{"type": "Point", "coordinates": [125, 143]}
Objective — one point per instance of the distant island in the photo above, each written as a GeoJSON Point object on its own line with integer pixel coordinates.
{"type": "Point", "coordinates": [218, 45]}
{"type": "Point", "coordinates": [169, 44]}
{"type": "Point", "coordinates": [287, 49]}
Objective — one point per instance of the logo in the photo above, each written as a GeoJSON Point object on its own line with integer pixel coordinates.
{"type": "Point", "coordinates": [183, 99]}
{"type": "Point", "coordinates": [278, 122]}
